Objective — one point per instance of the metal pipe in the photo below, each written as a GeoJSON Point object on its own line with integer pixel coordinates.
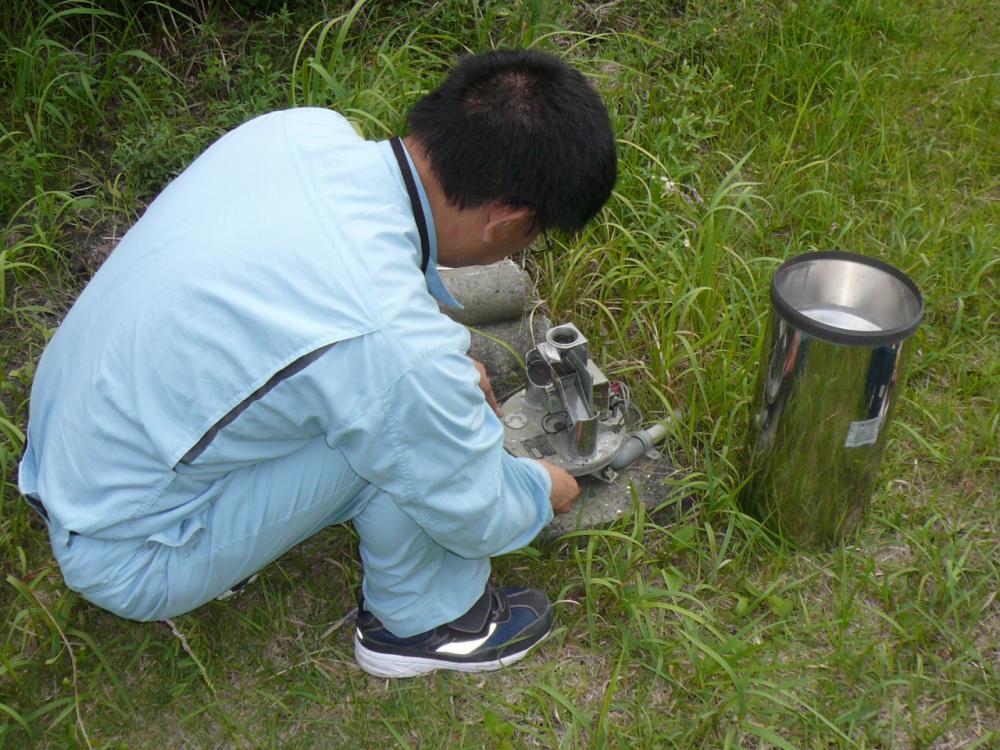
{"type": "Point", "coordinates": [637, 443]}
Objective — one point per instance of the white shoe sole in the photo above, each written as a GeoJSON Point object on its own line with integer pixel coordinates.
{"type": "Point", "coordinates": [233, 592]}
{"type": "Point", "coordinates": [394, 665]}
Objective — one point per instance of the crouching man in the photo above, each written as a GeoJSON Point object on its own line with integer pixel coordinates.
{"type": "Point", "coordinates": [263, 355]}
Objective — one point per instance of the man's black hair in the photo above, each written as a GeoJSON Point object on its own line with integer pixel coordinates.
{"type": "Point", "coordinates": [521, 127]}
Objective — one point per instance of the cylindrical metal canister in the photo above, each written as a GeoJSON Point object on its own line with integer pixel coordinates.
{"type": "Point", "coordinates": [830, 374]}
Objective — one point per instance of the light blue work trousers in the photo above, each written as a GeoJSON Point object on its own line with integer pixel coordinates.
{"type": "Point", "coordinates": [411, 583]}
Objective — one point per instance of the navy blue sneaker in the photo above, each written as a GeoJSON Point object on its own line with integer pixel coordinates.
{"type": "Point", "coordinates": [500, 629]}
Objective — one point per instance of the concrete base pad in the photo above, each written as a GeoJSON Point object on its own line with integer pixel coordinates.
{"type": "Point", "coordinates": [654, 482]}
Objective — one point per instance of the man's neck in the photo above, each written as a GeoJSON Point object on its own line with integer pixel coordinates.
{"type": "Point", "coordinates": [447, 224]}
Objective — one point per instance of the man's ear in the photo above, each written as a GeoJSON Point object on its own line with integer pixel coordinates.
{"type": "Point", "coordinates": [501, 216]}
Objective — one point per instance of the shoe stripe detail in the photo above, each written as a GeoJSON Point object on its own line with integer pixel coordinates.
{"type": "Point", "coordinates": [464, 648]}
{"type": "Point", "coordinates": [392, 665]}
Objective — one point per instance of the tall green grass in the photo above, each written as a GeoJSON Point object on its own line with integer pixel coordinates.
{"type": "Point", "coordinates": [748, 133]}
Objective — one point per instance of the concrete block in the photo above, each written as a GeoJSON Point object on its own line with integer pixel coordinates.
{"type": "Point", "coordinates": [489, 294]}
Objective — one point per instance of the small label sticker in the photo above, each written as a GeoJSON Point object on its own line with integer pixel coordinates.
{"type": "Point", "coordinates": [864, 432]}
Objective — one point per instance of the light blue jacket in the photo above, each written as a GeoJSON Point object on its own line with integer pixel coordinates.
{"type": "Point", "coordinates": [288, 235]}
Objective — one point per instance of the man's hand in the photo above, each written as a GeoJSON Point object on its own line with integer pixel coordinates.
{"type": "Point", "coordinates": [487, 388]}
{"type": "Point", "coordinates": [565, 490]}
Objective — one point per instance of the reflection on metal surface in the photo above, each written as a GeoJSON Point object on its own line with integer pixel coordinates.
{"type": "Point", "coordinates": [822, 405]}
{"type": "Point", "coordinates": [838, 318]}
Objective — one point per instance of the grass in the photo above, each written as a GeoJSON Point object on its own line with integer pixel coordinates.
{"type": "Point", "coordinates": [749, 132]}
